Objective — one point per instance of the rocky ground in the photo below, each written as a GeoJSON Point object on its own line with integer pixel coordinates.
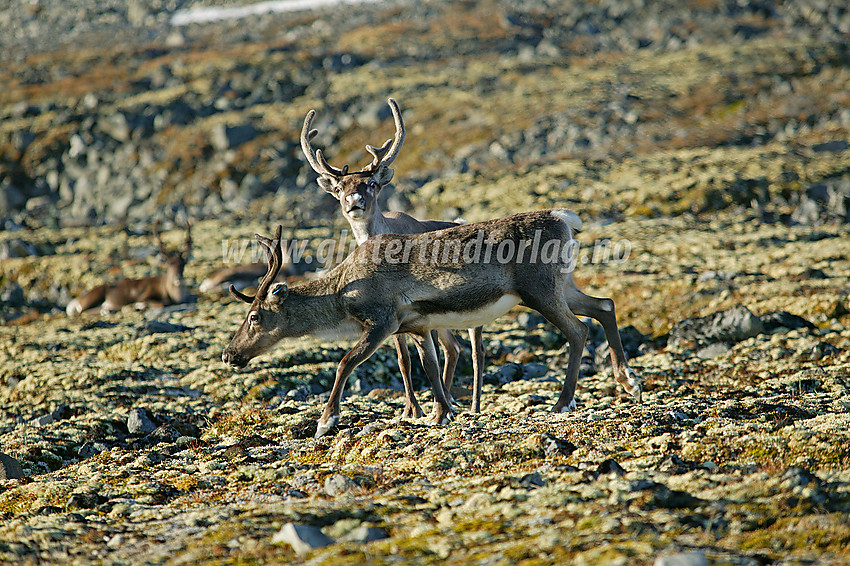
{"type": "Point", "coordinates": [708, 140]}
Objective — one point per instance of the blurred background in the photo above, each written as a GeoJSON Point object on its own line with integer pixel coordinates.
{"type": "Point", "coordinates": [111, 111]}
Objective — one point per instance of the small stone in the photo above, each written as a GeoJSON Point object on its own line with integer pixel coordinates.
{"type": "Point", "coordinates": [90, 449]}
{"type": "Point", "coordinates": [532, 480]}
{"type": "Point", "coordinates": [682, 559]}
{"type": "Point", "coordinates": [302, 538]}
{"type": "Point", "coordinates": [82, 501]}
{"type": "Point", "coordinates": [364, 534]}
{"type": "Point", "coordinates": [673, 465]}
{"type": "Point", "coordinates": [729, 326]}
{"type": "Point", "coordinates": [139, 421]}
{"type": "Point", "coordinates": [781, 319]}
{"type": "Point", "coordinates": [59, 413]}
{"type": "Point", "coordinates": [337, 484]}
{"type": "Point", "coordinates": [713, 351]}
{"type": "Point", "coordinates": [610, 466]}
{"type": "Point", "coordinates": [823, 350]}
{"type": "Point", "coordinates": [10, 468]}
{"type": "Point", "coordinates": [534, 371]}
{"type": "Point", "coordinates": [158, 327]}
{"type": "Point", "coordinates": [227, 137]}
{"type": "Point", "coordinates": [553, 446]}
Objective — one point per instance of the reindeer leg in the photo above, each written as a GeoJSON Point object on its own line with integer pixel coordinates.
{"type": "Point", "coordinates": [365, 347]}
{"type": "Point", "coordinates": [602, 310]}
{"type": "Point", "coordinates": [443, 412]}
{"type": "Point", "coordinates": [475, 337]}
{"type": "Point", "coordinates": [411, 406]}
{"type": "Point", "coordinates": [576, 333]}
{"type": "Point", "coordinates": [451, 348]}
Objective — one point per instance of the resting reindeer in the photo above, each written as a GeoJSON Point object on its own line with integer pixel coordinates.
{"type": "Point", "coordinates": [465, 276]}
{"type": "Point", "coordinates": [357, 193]}
{"type": "Point", "coordinates": [158, 290]}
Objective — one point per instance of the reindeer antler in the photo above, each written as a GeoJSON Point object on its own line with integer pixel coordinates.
{"type": "Point", "coordinates": [187, 245]}
{"type": "Point", "coordinates": [275, 257]}
{"type": "Point", "coordinates": [386, 154]}
{"type": "Point", "coordinates": [315, 157]}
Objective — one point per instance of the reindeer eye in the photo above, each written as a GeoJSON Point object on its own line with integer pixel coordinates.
{"type": "Point", "coordinates": [372, 184]}
{"type": "Point", "coordinates": [254, 317]}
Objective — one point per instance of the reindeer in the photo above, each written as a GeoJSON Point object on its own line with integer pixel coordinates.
{"type": "Point", "coordinates": [157, 290]}
{"type": "Point", "coordinates": [357, 193]}
{"type": "Point", "coordinates": [248, 274]}
{"type": "Point", "coordinates": [464, 276]}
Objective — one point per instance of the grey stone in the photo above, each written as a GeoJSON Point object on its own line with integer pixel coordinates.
{"type": "Point", "coordinates": [16, 247]}
{"type": "Point", "coordinates": [227, 137]}
{"type": "Point", "coordinates": [364, 534]}
{"type": "Point", "coordinates": [302, 538]}
{"type": "Point", "coordinates": [82, 501]}
{"type": "Point", "coordinates": [90, 449]}
{"type": "Point", "coordinates": [713, 350]}
{"type": "Point", "coordinates": [10, 468]}
{"type": "Point", "coordinates": [682, 559]}
{"type": "Point", "coordinates": [730, 326]}
{"type": "Point", "coordinates": [534, 371]}
{"type": "Point", "coordinates": [12, 295]}
{"type": "Point", "coordinates": [532, 480]}
{"type": "Point", "coordinates": [11, 198]}
{"type": "Point", "coordinates": [337, 484]}
{"type": "Point", "coordinates": [116, 126]}
{"type": "Point", "coordinates": [59, 413]}
{"type": "Point", "coordinates": [158, 327]}
{"type": "Point", "coordinates": [554, 446]}
{"type": "Point", "coordinates": [139, 421]}
{"type": "Point", "coordinates": [782, 319]}
{"type": "Point", "coordinates": [610, 466]}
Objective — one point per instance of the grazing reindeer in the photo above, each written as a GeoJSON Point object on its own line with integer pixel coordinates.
{"type": "Point", "coordinates": [357, 193]}
{"type": "Point", "coordinates": [465, 276]}
{"type": "Point", "coordinates": [157, 290]}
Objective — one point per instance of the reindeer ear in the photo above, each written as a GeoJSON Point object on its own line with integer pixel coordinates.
{"type": "Point", "coordinates": [278, 293]}
{"type": "Point", "coordinates": [328, 185]}
{"type": "Point", "coordinates": [383, 175]}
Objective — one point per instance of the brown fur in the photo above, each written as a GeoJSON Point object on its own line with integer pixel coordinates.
{"type": "Point", "coordinates": [357, 194]}
{"type": "Point", "coordinates": [383, 298]}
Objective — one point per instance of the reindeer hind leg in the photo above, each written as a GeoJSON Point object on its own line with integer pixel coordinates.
{"type": "Point", "coordinates": [602, 310]}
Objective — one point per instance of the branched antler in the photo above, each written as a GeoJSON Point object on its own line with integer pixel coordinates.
{"type": "Point", "coordinates": [315, 157]}
{"type": "Point", "coordinates": [274, 254]}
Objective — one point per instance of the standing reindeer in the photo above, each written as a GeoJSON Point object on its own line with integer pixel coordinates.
{"type": "Point", "coordinates": [157, 290]}
{"type": "Point", "coordinates": [464, 276]}
{"type": "Point", "coordinates": [357, 193]}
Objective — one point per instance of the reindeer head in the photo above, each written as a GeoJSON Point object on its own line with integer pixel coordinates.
{"type": "Point", "coordinates": [265, 322]}
{"type": "Point", "coordinates": [356, 191]}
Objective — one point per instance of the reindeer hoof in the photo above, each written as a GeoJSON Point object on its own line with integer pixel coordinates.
{"type": "Point", "coordinates": [443, 419]}
{"type": "Point", "coordinates": [324, 427]}
{"type": "Point", "coordinates": [565, 409]}
{"type": "Point", "coordinates": [412, 412]}
{"type": "Point", "coordinates": [635, 384]}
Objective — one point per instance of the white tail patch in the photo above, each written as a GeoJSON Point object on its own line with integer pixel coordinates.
{"type": "Point", "coordinates": [568, 217]}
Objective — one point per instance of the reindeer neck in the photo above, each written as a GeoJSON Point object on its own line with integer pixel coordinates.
{"type": "Point", "coordinates": [365, 228]}
{"type": "Point", "coordinates": [319, 301]}
{"type": "Point", "coordinates": [174, 286]}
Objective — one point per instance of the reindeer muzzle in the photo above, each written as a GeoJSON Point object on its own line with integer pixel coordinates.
{"type": "Point", "coordinates": [233, 360]}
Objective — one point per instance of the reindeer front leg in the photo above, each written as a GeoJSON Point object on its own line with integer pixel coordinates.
{"type": "Point", "coordinates": [443, 412]}
{"type": "Point", "coordinates": [369, 342]}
